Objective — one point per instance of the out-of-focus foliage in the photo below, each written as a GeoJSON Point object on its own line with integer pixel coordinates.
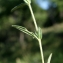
{"type": "Point", "coordinates": [14, 44]}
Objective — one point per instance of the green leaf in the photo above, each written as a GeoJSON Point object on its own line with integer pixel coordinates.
{"type": "Point", "coordinates": [49, 59]}
{"type": "Point", "coordinates": [39, 33]}
{"type": "Point", "coordinates": [23, 29]}
{"type": "Point", "coordinates": [18, 6]}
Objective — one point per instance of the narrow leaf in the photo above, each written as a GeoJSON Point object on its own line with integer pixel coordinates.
{"type": "Point", "coordinates": [49, 59]}
{"type": "Point", "coordinates": [39, 33]}
{"type": "Point", "coordinates": [18, 6]}
{"type": "Point", "coordinates": [23, 29]}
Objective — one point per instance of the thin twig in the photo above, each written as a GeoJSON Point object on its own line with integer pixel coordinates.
{"type": "Point", "coordinates": [33, 17]}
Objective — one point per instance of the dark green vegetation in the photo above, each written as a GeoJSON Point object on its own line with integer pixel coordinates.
{"type": "Point", "coordinates": [15, 44]}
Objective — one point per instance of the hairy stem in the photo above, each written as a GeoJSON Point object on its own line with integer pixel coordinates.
{"type": "Point", "coordinates": [33, 17]}
{"type": "Point", "coordinates": [41, 50]}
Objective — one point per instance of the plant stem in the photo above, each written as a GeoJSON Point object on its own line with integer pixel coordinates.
{"type": "Point", "coordinates": [41, 50]}
{"type": "Point", "coordinates": [34, 20]}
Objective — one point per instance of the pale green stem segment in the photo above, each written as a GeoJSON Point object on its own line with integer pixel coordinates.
{"type": "Point", "coordinates": [41, 50]}
{"type": "Point", "coordinates": [33, 17]}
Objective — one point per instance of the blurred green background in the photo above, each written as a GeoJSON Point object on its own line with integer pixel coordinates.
{"type": "Point", "coordinates": [17, 47]}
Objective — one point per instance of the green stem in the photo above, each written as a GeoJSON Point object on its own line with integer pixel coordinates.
{"type": "Point", "coordinates": [34, 20]}
{"type": "Point", "coordinates": [33, 17]}
{"type": "Point", "coordinates": [41, 50]}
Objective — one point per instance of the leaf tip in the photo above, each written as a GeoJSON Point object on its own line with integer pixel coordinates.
{"type": "Point", "coordinates": [14, 25]}
{"type": "Point", "coordinates": [49, 59]}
